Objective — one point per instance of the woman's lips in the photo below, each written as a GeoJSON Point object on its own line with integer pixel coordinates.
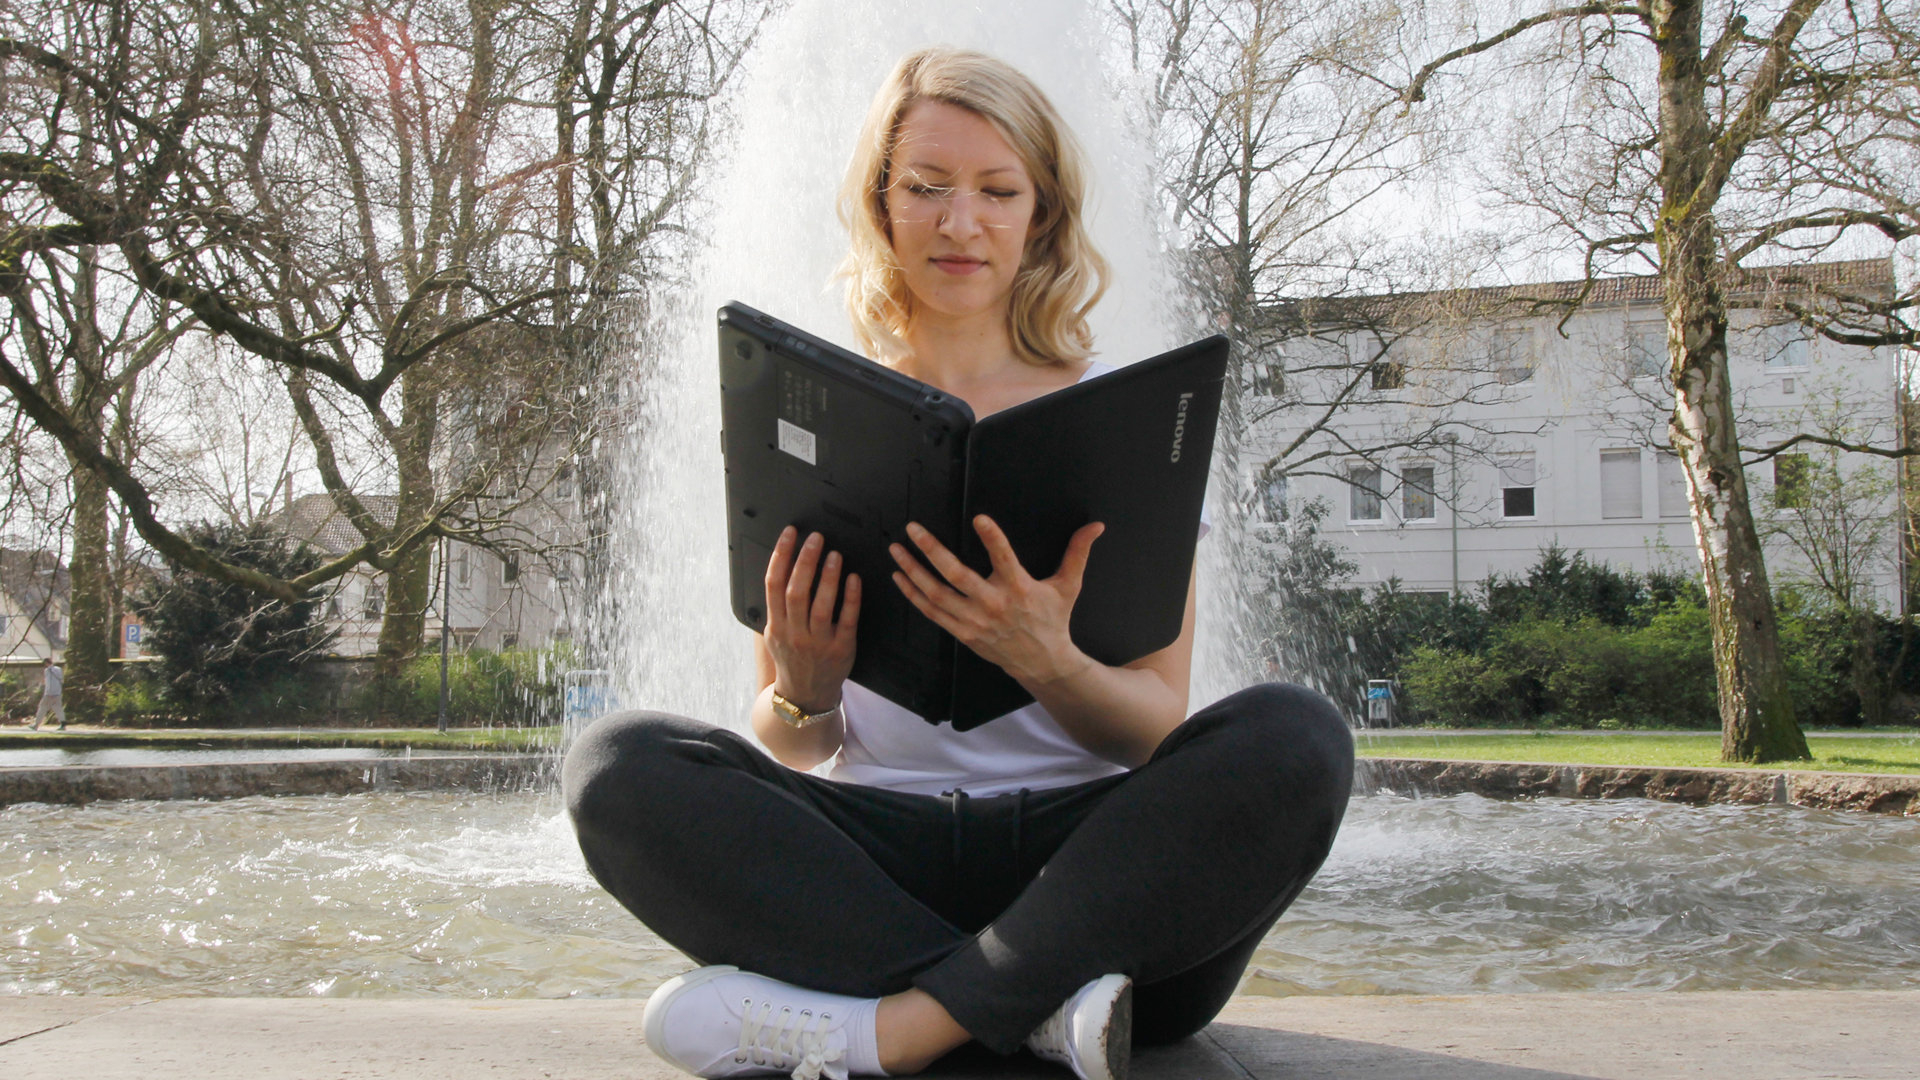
{"type": "Point", "coordinates": [958, 264]}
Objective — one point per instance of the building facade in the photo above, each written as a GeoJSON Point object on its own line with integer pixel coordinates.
{"type": "Point", "coordinates": [1500, 421]}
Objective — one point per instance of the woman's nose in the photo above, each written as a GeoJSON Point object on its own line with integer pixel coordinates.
{"type": "Point", "coordinates": [960, 218]}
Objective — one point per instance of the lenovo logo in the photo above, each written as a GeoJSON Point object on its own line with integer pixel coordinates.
{"type": "Point", "coordinates": [1180, 426]}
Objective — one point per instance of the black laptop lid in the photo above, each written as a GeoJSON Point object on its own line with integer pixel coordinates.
{"type": "Point", "coordinates": [829, 441]}
{"type": "Point", "coordinates": [821, 438]}
{"type": "Point", "coordinates": [1131, 448]}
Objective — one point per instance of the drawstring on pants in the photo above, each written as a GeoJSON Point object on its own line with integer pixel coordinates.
{"type": "Point", "coordinates": [957, 800]}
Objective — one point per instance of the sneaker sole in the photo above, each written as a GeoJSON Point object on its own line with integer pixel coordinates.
{"type": "Point", "coordinates": [653, 1021]}
{"type": "Point", "coordinates": [1113, 1043]}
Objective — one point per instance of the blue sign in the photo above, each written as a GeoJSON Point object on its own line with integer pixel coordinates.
{"type": "Point", "coordinates": [133, 633]}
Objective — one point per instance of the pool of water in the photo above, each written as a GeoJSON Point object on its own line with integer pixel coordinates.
{"type": "Point", "coordinates": [43, 758]}
{"type": "Point", "coordinates": [485, 895]}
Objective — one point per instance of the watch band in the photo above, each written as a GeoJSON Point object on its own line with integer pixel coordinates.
{"type": "Point", "coordinates": [795, 716]}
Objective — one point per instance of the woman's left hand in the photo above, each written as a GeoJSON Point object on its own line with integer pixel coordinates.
{"type": "Point", "coordinates": [1010, 618]}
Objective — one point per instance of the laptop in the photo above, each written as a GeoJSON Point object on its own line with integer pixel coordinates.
{"type": "Point", "coordinates": [826, 440]}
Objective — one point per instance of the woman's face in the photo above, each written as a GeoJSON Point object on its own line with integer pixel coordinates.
{"type": "Point", "coordinates": [958, 209]}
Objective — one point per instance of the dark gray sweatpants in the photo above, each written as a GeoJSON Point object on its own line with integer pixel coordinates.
{"type": "Point", "coordinates": [998, 907]}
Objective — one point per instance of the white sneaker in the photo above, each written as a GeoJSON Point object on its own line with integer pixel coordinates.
{"type": "Point", "coordinates": [721, 1021]}
{"type": "Point", "coordinates": [1092, 1034]}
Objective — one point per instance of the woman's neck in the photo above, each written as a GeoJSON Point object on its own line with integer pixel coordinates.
{"type": "Point", "coordinates": [957, 354]}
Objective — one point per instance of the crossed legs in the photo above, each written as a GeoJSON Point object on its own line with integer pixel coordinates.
{"type": "Point", "coordinates": [1169, 874]}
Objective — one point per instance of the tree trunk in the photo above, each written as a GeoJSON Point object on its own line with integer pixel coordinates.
{"type": "Point", "coordinates": [1756, 708]}
{"type": "Point", "coordinates": [403, 625]}
{"type": "Point", "coordinates": [1870, 681]}
{"type": "Point", "coordinates": [89, 608]}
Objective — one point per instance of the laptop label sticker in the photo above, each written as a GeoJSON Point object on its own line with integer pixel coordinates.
{"type": "Point", "coordinates": [797, 441]}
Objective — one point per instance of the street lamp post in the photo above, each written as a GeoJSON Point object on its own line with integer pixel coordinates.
{"type": "Point", "coordinates": [446, 621]}
{"type": "Point", "coordinates": [1453, 504]}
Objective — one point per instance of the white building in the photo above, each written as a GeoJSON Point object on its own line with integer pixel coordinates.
{"type": "Point", "coordinates": [1491, 423]}
{"type": "Point", "coordinates": [497, 601]}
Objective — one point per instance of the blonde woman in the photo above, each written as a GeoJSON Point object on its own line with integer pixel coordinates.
{"type": "Point", "coordinates": [1092, 869]}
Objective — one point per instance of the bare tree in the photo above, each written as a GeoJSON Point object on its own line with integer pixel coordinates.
{"type": "Point", "coordinates": [1708, 140]}
{"type": "Point", "coordinates": [376, 202]}
{"type": "Point", "coordinates": [1277, 157]}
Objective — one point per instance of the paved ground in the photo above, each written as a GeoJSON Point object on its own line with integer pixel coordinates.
{"type": "Point", "coordinates": [1738, 1036]}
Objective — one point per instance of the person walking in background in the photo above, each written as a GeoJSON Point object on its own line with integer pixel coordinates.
{"type": "Point", "coordinates": [51, 699]}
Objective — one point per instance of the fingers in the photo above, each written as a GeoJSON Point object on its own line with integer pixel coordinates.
{"type": "Point", "coordinates": [799, 592]}
{"type": "Point", "coordinates": [924, 604]}
{"type": "Point", "coordinates": [793, 600]}
{"type": "Point", "coordinates": [822, 614]}
{"type": "Point", "coordinates": [957, 574]}
{"type": "Point", "coordinates": [843, 631]}
{"type": "Point", "coordinates": [779, 569]}
{"type": "Point", "coordinates": [999, 548]}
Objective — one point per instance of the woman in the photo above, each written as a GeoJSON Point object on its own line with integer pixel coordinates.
{"type": "Point", "coordinates": [1091, 869]}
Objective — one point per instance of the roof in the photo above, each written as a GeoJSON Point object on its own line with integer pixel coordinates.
{"type": "Point", "coordinates": [318, 520]}
{"type": "Point", "coordinates": [38, 584]}
{"type": "Point", "coordinates": [1751, 287]}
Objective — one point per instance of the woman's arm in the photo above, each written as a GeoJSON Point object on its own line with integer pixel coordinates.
{"type": "Point", "coordinates": [1122, 713]}
{"type": "Point", "coordinates": [1021, 623]}
{"type": "Point", "coordinates": [805, 653]}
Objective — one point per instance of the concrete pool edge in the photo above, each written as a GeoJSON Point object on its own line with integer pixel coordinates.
{"type": "Point", "coordinates": [1881, 793]}
{"type": "Point", "coordinates": [74, 784]}
{"type": "Point", "coordinates": [1627, 1035]}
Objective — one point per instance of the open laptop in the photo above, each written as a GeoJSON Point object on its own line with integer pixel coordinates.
{"type": "Point", "coordinates": [824, 439]}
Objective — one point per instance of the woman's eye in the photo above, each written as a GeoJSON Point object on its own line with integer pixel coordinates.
{"type": "Point", "coordinates": [1001, 193]}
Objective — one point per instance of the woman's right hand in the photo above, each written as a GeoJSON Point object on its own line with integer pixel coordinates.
{"type": "Point", "coordinates": [812, 651]}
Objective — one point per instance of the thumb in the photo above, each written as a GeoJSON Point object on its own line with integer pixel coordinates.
{"type": "Point", "coordinates": [1073, 565]}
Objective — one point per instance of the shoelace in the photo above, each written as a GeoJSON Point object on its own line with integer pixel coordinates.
{"type": "Point", "coordinates": [799, 1039]}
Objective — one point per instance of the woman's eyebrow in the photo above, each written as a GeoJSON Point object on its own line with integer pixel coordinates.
{"type": "Point", "coordinates": [941, 170]}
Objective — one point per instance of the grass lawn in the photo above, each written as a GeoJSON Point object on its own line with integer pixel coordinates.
{"type": "Point", "coordinates": [1836, 753]}
{"type": "Point", "coordinates": [489, 740]}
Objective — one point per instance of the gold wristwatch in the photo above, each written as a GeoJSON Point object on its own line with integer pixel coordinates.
{"type": "Point", "coordinates": [797, 717]}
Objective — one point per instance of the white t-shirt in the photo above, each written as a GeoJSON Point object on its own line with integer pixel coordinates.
{"type": "Point", "coordinates": [887, 746]}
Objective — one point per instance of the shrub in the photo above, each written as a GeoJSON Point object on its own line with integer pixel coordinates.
{"type": "Point", "coordinates": [509, 688]}
{"type": "Point", "coordinates": [221, 646]}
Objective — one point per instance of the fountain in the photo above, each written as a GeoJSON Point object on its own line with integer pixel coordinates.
{"type": "Point", "coordinates": [462, 895]}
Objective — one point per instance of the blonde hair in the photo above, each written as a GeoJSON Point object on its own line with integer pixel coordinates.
{"type": "Point", "coordinates": [1061, 276]}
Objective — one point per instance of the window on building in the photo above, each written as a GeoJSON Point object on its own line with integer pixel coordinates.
{"type": "Point", "coordinates": [1791, 475]}
{"type": "Point", "coordinates": [1387, 375]}
{"type": "Point", "coordinates": [1620, 484]}
{"type": "Point", "coordinates": [374, 600]}
{"type": "Point", "coordinates": [1646, 349]}
{"type": "Point", "coordinates": [1516, 486]}
{"type": "Point", "coordinates": [1784, 346]}
{"type": "Point", "coordinates": [509, 569]}
{"type": "Point", "coordinates": [333, 606]}
{"type": "Point", "coordinates": [1273, 499]}
{"type": "Point", "coordinates": [1512, 356]}
{"type": "Point", "coordinates": [1363, 493]}
{"type": "Point", "coordinates": [563, 568]}
{"type": "Point", "coordinates": [563, 482]}
{"type": "Point", "coordinates": [1416, 493]}
{"type": "Point", "coordinates": [462, 564]}
{"type": "Point", "coordinates": [1673, 485]}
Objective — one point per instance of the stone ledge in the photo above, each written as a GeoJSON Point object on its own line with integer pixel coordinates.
{"type": "Point", "coordinates": [1713, 1035]}
{"type": "Point", "coordinates": [1872, 792]}
{"type": "Point", "coordinates": [73, 784]}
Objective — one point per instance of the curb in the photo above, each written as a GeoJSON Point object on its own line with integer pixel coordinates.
{"type": "Point", "coordinates": [1877, 793]}
{"type": "Point", "coordinates": [75, 784]}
